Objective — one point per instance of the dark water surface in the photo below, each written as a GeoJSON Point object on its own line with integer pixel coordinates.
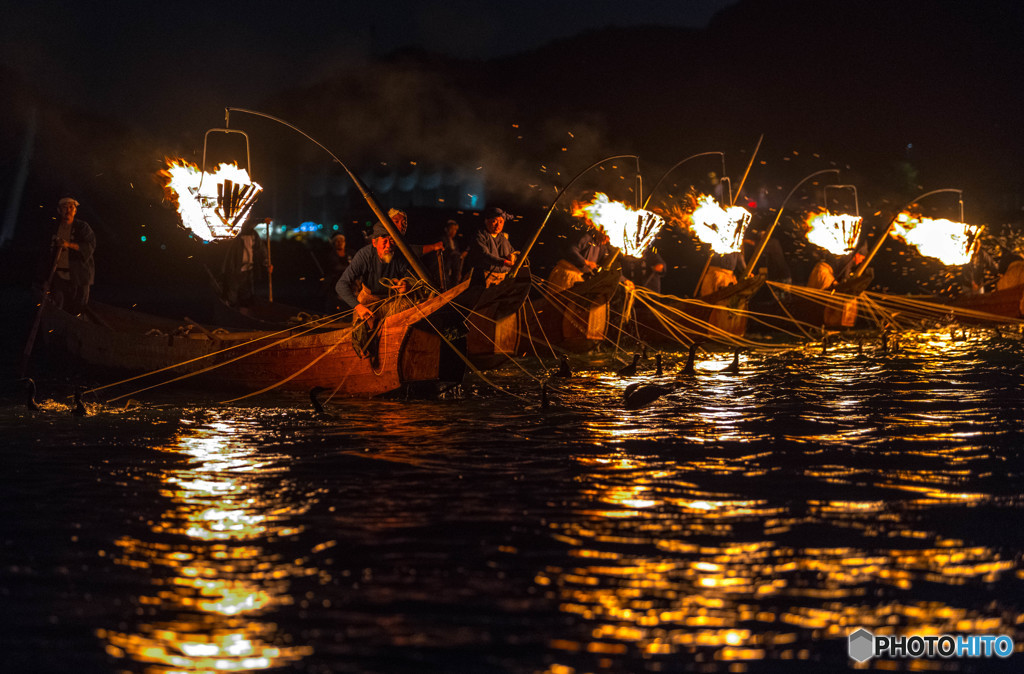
{"type": "Point", "coordinates": [744, 522]}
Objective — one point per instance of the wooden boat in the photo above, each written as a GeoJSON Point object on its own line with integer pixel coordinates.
{"type": "Point", "coordinates": [712, 317]}
{"type": "Point", "coordinates": [296, 358]}
{"type": "Point", "coordinates": [493, 324]}
{"type": "Point", "coordinates": [575, 319]}
{"type": "Point", "coordinates": [1008, 303]}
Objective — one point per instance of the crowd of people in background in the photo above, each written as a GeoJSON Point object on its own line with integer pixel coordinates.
{"type": "Point", "coordinates": [358, 281]}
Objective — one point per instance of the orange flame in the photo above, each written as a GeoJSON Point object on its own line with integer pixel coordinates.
{"type": "Point", "coordinates": [952, 243]}
{"type": "Point", "coordinates": [211, 205]}
{"type": "Point", "coordinates": [630, 230]}
{"type": "Point", "coordinates": [836, 233]}
{"type": "Point", "coordinates": [721, 228]}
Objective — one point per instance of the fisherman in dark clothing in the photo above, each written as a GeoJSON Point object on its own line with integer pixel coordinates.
{"type": "Point", "coordinates": [245, 254]}
{"type": "Point", "coordinates": [335, 265]}
{"type": "Point", "coordinates": [374, 271]}
{"type": "Point", "coordinates": [75, 271]}
{"type": "Point", "coordinates": [491, 254]}
{"type": "Point", "coordinates": [583, 257]}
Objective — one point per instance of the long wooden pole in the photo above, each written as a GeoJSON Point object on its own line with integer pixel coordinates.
{"type": "Point", "coordinates": [677, 165]}
{"type": "Point", "coordinates": [414, 261]}
{"type": "Point", "coordinates": [768, 234]}
{"type": "Point", "coordinates": [747, 172]}
{"type": "Point", "coordinates": [536, 235]}
{"type": "Point", "coordinates": [30, 342]}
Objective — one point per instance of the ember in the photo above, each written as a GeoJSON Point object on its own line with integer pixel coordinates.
{"type": "Point", "coordinates": [721, 228]}
{"type": "Point", "coordinates": [211, 205]}
{"type": "Point", "coordinates": [630, 230]}
{"type": "Point", "coordinates": [836, 233]}
{"type": "Point", "coordinates": [949, 242]}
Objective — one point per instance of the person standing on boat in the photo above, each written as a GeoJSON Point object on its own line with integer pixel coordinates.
{"type": "Point", "coordinates": [245, 254]}
{"type": "Point", "coordinates": [74, 243]}
{"type": "Point", "coordinates": [335, 265]}
{"type": "Point", "coordinates": [453, 254]}
{"type": "Point", "coordinates": [401, 220]}
{"type": "Point", "coordinates": [491, 254]}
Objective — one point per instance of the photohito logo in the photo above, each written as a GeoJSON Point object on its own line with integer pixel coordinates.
{"type": "Point", "coordinates": [864, 645]}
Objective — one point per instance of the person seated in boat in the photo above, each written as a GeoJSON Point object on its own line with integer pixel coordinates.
{"type": "Point", "coordinates": [583, 257]}
{"type": "Point", "coordinates": [823, 275]}
{"type": "Point", "coordinates": [1013, 271]}
{"type": "Point", "coordinates": [74, 271]}
{"type": "Point", "coordinates": [772, 258]}
{"type": "Point", "coordinates": [246, 253]}
{"type": "Point", "coordinates": [722, 271]}
{"type": "Point", "coordinates": [375, 271]}
{"type": "Point", "coordinates": [491, 255]}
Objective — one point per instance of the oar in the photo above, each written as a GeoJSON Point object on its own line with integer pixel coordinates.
{"type": "Point", "coordinates": [27, 353]}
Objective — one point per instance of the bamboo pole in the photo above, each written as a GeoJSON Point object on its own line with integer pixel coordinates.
{"type": "Point", "coordinates": [526, 251]}
{"type": "Point", "coordinates": [677, 165]}
{"type": "Point", "coordinates": [382, 217]}
{"type": "Point", "coordinates": [768, 234]}
{"type": "Point", "coordinates": [732, 201]}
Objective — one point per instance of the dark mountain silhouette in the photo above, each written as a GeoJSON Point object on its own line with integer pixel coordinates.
{"type": "Point", "coordinates": [902, 96]}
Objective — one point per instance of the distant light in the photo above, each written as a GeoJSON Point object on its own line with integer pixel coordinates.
{"type": "Point", "coordinates": [143, 239]}
{"type": "Point", "coordinates": [336, 227]}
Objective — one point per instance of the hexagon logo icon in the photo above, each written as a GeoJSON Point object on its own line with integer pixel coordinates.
{"type": "Point", "coordinates": [862, 645]}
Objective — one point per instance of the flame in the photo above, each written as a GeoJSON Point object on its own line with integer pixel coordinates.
{"type": "Point", "coordinates": [721, 228]}
{"type": "Point", "coordinates": [629, 230]}
{"type": "Point", "coordinates": [949, 242]}
{"type": "Point", "coordinates": [836, 233]}
{"type": "Point", "coordinates": [211, 205]}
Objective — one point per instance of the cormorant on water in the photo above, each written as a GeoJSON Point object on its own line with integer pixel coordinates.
{"type": "Point", "coordinates": [638, 395]}
{"type": "Point", "coordinates": [564, 371]}
{"type": "Point", "coordinates": [546, 401]}
{"type": "Point", "coordinates": [630, 369]}
{"type": "Point", "coordinates": [314, 399]}
{"type": "Point", "coordinates": [688, 368]}
{"type": "Point", "coordinates": [657, 364]}
{"type": "Point", "coordinates": [30, 395]}
{"type": "Point", "coordinates": [734, 366]}
{"type": "Point", "coordinates": [79, 409]}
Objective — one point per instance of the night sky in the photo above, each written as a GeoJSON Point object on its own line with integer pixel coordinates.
{"type": "Point", "coordinates": [141, 61]}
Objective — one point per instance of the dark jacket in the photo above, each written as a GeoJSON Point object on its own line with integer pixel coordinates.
{"type": "Point", "coordinates": [368, 269]}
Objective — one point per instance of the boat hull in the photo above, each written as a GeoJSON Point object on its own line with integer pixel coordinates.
{"type": "Point", "coordinates": [297, 358]}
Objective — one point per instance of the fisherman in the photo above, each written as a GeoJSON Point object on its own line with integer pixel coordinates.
{"type": "Point", "coordinates": [401, 220]}
{"type": "Point", "coordinates": [375, 270]}
{"type": "Point", "coordinates": [244, 255]}
{"type": "Point", "coordinates": [977, 271]}
{"type": "Point", "coordinates": [772, 257]}
{"type": "Point", "coordinates": [491, 254]}
{"type": "Point", "coordinates": [73, 243]}
{"type": "Point", "coordinates": [453, 254]}
{"type": "Point", "coordinates": [1012, 265]}
{"type": "Point", "coordinates": [823, 275]}
{"type": "Point", "coordinates": [582, 257]}
{"type": "Point", "coordinates": [366, 285]}
{"type": "Point", "coordinates": [721, 272]}
{"type": "Point", "coordinates": [334, 266]}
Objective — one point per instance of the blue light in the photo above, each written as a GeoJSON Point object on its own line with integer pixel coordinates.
{"type": "Point", "coordinates": [143, 239]}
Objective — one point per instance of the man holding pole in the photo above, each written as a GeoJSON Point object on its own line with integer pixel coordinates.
{"type": "Point", "coordinates": [74, 269]}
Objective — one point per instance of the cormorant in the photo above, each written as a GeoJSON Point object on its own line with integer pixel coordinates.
{"type": "Point", "coordinates": [734, 366]}
{"type": "Point", "coordinates": [79, 409]}
{"type": "Point", "coordinates": [630, 370]}
{"type": "Point", "coordinates": [564, 371]}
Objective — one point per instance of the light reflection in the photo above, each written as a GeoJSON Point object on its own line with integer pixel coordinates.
{"type": "Point", "coordinates": [214, 579]}
{"type": "Point", "coordinates": [663, 569]}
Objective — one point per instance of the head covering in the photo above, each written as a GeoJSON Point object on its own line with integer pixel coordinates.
{"type": "Point", "coordinates": [379, 230]}
{"type": "Point", "coordinates": [66, 200]}
{"type": "Point", "coordinates": [451, 222]}
{"type": "Point", "coordinates": [494, 212]}
{"type": "Point", "coordinates": [392, 212]}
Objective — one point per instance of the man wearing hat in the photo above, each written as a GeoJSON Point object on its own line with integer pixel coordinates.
{"type": "Point", "coordinates": [74, 243]}
{"type": "Point", "coordinates": [491, 254]}
{"type": "Point", "coordinates": [401, 220]}
{"type": "Point", "coordinates": [370, 275]}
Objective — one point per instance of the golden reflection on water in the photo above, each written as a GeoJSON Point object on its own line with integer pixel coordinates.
{"type": "Point", "coordinates": [666, 568]}
{"type": "Point", "coordinates": [213, 579]}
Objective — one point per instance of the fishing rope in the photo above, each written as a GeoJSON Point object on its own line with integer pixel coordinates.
{"type": "Point", "coordinates": [305, 329]}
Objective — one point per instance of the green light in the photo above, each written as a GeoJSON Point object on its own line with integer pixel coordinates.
{"type": "Point", "coordinates": [143, 239]}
